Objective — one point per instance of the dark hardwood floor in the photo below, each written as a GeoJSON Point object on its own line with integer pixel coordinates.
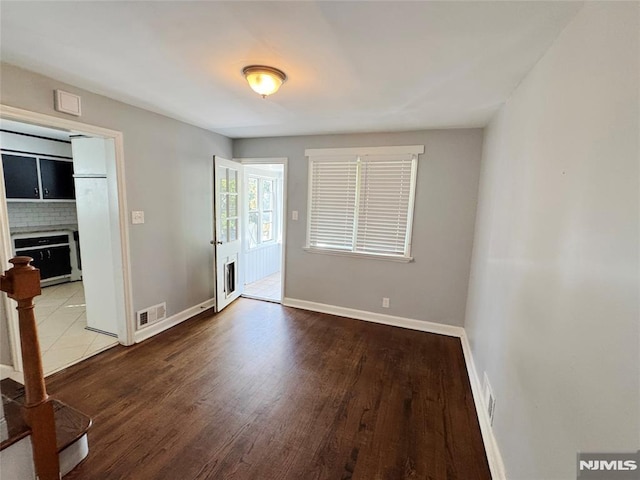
{"type": "Point", "coordinates": [262, 391]}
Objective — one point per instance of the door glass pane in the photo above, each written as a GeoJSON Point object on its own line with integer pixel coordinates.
{"type": "Point", "coordinates": [223, 205]}
{"type": "Point", "coordinates": [267, 227]}
{"type": "Point", "coordinates": [253, 194]}
{"type": "Point", "coordinates": [222, 182]}
{"type": "Point", "coordinates": [233, 205]}
{"type": "Point", "coordinates": [253, 229]}
{"type": "Point", "coordinates": [223, 231]}
{"type": "Point", "coordinates": [233, 180]}
{"type": "Point", "coordinates": [233, 230]}
{"type": "Point", "coordinates": [223, 217]}
{"type": "Point", "coordinates": [267, 194]}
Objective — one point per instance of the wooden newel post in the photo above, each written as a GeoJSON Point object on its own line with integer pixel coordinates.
{"type": "Point", "coordinates": [22, 283]}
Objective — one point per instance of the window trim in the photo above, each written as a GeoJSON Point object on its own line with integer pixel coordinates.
{"type": "Point", "coordinates": [413, 150]}
{"type": "Point", "coordinates": [364, 151]}
{"type": "Point", "coordinates": [347, 253]}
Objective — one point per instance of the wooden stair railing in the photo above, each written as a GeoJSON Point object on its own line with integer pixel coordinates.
{"type": "Point", "coordinates": [22, 283]}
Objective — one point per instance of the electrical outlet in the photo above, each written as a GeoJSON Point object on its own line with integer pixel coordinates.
{"type": "Point", "coordinates": [294, 215]}
{"type": "Point", "coordinates": [385, 302]}
{"type": "Point", "coordinates": [489, 399]}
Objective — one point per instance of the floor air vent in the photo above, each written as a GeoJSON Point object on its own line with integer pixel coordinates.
{"type": "Point", "coordinates": [152, 315]}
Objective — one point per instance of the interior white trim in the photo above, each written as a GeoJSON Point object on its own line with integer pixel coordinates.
{"type": "Point", "coordinates": [126, 326]}
{"type": "Point", "coordinates": [390, 150]}
{"type": "Point", "coordinates": [349, 253]}
{"type": "Point", "coordinates": [284, 161]}
{"type": "Point", "coordinates": [413, 324]}
{"type": "Point", "coordinates": [494, 457]}
{"type": "Point", "coordinates": [7, 371]}
{"type": "Point", "coordinates": [496, 465]}
{"type": "Point", "coordinates": [6, 252]}
{"type": "Point", "coordinates": [173, 320]}
{"type": "Point", "coordinates": [262, 160]}
{"type": "Point", "coordinates": [21, 115]}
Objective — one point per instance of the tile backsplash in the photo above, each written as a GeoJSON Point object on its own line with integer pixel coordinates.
{"type": "Point", "coordinates": [40, 214]}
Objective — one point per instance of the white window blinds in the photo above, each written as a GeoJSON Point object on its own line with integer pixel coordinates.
{"type": "Point", "coordinates": [383, 210]}
{"type": "Point", "coordinates": [333, 200]}
{"type": "Point", "coordinates": [362, 204]}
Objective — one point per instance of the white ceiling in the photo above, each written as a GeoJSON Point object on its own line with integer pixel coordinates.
{"type": "Point", "coordinates": [352, 66]}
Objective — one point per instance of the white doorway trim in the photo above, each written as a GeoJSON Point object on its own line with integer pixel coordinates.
{"type": "Point", "coordinates": [126, 324]}
{"type": "Point", "coordinates": [284, 162]}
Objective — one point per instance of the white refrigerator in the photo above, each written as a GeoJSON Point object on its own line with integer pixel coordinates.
{"type": "Point", "coordinates": [94, 206]}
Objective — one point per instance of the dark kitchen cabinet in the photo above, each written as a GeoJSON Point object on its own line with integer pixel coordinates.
{"type": "Point", "coordinates": [57, 179]}
{"type": "Point", "coordinates": [20, 176]}
{"type": "Point", "coordinates": [52, 261]}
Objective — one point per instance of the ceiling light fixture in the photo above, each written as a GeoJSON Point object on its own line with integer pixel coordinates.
{"type": "Point", "coordinates": [264, 80]}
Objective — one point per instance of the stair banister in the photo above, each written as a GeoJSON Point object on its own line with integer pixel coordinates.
{"type": "Point", "coordinates": [22, 284]}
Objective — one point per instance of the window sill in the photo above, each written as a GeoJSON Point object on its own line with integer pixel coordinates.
{"type": "Point", "coordinates": [371, 256]}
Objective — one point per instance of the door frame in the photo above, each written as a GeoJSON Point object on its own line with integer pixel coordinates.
{"type": "Point", "coordinates": [126, 324]}
{"type": "Point", "coordinates": [284, 161]}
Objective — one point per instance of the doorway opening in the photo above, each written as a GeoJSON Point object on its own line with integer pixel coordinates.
{"type": "Point", "coordinates": [60, 203]}
{"type": "Point", "coordinates": [263, 222]}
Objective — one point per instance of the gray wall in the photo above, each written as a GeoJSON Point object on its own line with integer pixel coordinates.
{"type": "Point", "coordinates": [432, 288]}
{"type": "Point", "coordinates": [168, 175]}
{"type": "Point", "coordinates": [553, 314]}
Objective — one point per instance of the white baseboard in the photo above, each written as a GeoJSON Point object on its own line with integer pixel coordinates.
{"type": "Point", "coordinates": [491, 447]}
{"type": "Point", "coordinates": [172, 321]}
{"type": "Point", "coordinates": [496, 465]}
{"type": "Point", "coordinates": [410, 323]}
{"type": "Point", "coordinates": [7, 371]}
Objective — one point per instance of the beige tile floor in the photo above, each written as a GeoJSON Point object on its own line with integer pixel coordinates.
{"type": "Point", "coordinates": [267, 288]}
{"type": "Point", "coordinates": [61, 317]}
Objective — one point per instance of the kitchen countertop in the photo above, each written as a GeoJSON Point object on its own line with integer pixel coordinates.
{"type": "Point", "coordinates": [43, 228]}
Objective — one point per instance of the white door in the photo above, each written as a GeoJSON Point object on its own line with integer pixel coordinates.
{"type": "Point", "coordinates": [228, 243]}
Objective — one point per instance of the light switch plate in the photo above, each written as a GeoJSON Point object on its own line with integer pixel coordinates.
{"type": "Point", "coordinates": [294, 215]}
{"type": "Point", "coordinates": [137, 216]}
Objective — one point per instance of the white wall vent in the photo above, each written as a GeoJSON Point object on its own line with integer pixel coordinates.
{"type": "Point", "coordinates": [489, 399]}
{"type": "Point", "coordinates": [66, 102]}
{"type": "Point", "coordinates": [152, 315]}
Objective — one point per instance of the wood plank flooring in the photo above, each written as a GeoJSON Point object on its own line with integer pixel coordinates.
{"type": "Point", "coordinates": [262, 391]}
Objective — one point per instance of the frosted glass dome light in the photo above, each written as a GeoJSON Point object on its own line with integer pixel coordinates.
{"type": "Point", "coordinates": [264, 80]}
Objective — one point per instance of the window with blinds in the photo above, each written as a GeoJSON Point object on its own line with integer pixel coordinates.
{"type": "Point", "coordinates": [361, 200]}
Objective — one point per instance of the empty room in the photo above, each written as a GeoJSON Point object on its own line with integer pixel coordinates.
{"type": "Point", "coordinates": [281, 240]}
